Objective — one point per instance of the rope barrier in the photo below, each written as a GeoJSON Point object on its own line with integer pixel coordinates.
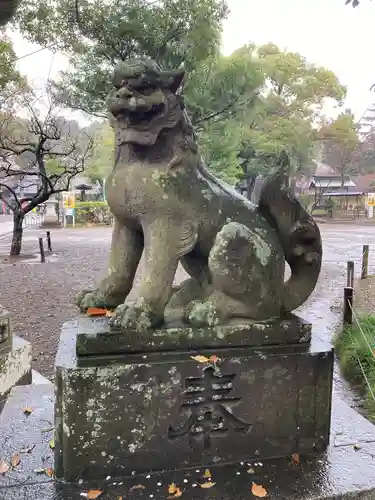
{"type": "Point", "coordinates": [361, 330]}
{"type": "Point", "coordinates": [370, 349]}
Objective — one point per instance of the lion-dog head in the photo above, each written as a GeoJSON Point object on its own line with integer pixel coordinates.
{"type": "Point", "coordinates": [144, 101]}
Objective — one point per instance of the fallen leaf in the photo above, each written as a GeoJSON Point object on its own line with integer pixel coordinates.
{"type": "Point", "coordinates": [119, 498]}
{"type": "Point", "coordinates": [50, 472]}
{"type": "Point", "coordinates": [177, 494]}
{"type": "Point", "coordinates": [92, 494]}
{"type": "Point", "coordinates": [172, 488]}
{"type": "Point", "coordinates": [207, 485]}
{"type": "Point", "coordinates": [207, 474]}
{"type": "Point", "coordinates": [137, 487]}
{"type": "Point", "coordinates": [52, 444]}
{"type": "Point", "coordinates": [258, 491]}
{"type": "Point", "coordinates": [109, 312]}
{"type": "Point", "coordinates": [214, 358]}
{"type": "Point", "coordinates": [174, 491]}
{"type": "Point", "coordinates": [357, 447]}
{"type": "Point", "coordinates": [27, 411]}
{"type": "Point", "coordinates": [15, 460]}
{"type": "Point", "coordinates": [200, 359]}
{"type": "Point", "coordinates": [4, 467]}
{"type": "Point", "coordinates": [250, 471]}
{"type": "Point", "coordinates": [296, 459]}
{"type": "Point", "coordinates": [96, 311]}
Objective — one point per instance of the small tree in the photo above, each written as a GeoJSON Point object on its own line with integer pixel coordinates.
{"type": "Point", "coordinates": [36, 156]}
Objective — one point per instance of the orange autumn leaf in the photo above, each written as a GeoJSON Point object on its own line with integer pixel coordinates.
{"type": "Point", "coordinates": [96, 311]}
{"type": "Point", "coordinates": [258, 491]}
{"type": "Point", "coordinates": [176, 494]}
{"type": "Point", "coordinates": [50, 472]}
{"type": "Point", "coordinates": [172, 488]}
{"type": "Point", "coordinates": [174, 491]}
{"type": "Point", "coordinates": [92, 494]}
{"type": "Point", "coordinates": [15, 460]}
{"type": "Point", "coordinates": [296, 459]}
{"type": "Point", "coordinates": [207, 485]}
{"type": "Point", "coordinates": [200, 359]}
{"type": "Point", "coordinates": [4, 467]}
{"type": "Point", "coordinates": [109, 312]}
{"type": "Point", "coordinates": [27, 411]}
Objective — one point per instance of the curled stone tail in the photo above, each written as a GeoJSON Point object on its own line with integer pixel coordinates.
{"type": "Point", "coordinates": [298, 234]}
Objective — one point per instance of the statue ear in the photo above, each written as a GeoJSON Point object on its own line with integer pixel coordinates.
{"type": "Point", "coordinates": [176, 81]}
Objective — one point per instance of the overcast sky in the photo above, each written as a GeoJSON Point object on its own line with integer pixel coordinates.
{"type": "Point", "coordinates": [326, 32]}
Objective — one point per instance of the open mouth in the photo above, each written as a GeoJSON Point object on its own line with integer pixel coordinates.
{"type": "Point", "coordinates": [142, 117]}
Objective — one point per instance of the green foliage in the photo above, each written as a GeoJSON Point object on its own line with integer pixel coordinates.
{"type": "Point", "coordinates": [341, 142]}
{"type": "Point", "coordinates": [93, 212]}
{"type": "Point", "coordinates": [262, 101]}
{"type": "Point", "coordinates": [97, 34]}
{"type": "Point", "coordinates": [351, 345]}
{"type": "Point", "coordinates": [9, 76]}
{"type": "Point", "coordinates": [100, 164]}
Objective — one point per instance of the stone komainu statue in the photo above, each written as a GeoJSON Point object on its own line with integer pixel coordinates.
{"type": "Point", "coordinates": [167, 205]}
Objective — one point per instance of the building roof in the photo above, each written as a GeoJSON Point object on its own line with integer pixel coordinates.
{"type": "Point", "coordinates": [343, 193]}
{"type": "Point", "coordinates": [331, 181]}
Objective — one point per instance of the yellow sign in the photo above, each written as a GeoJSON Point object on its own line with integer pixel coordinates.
{"type": "Point", "coordinates": [69, 200]}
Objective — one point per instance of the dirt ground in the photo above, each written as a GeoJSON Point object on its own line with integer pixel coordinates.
{"type": "Point", "coordinates": [39, 296]}
{"type": "Point", "coordinates": [364, 296]}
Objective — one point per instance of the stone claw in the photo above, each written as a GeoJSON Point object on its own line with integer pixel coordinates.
{"type": "Point", "coordinates": [138, 317]}
{"type": "Point", "coordinates": [93, 298]}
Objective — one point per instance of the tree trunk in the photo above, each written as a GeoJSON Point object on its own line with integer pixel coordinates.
{"type": "Point", "coordinates": [18, 218]}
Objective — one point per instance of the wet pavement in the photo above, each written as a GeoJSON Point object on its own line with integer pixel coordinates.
{"type": "Point", "coordinates": [324, 308]}
{"type": "Point", "coordinates": [345, 471]}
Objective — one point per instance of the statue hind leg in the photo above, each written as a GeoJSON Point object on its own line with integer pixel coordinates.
{"type": "Point", "coordinates": [126, 251]}
{"type": "Point", "coordinates": [247, 278]}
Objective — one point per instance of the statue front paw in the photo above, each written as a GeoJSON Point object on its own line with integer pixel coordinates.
{"type": "Point", "coordinates": [139, 317]}
{"type": "Point", "coordinates": [94, 298]}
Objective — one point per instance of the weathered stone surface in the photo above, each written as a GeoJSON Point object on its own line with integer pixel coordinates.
{"type": "Point", "coordinates": [15, 367]}
{"type": "Point", "coordinates": [166, 202]}
{"type": "Point", "coordinates": [95, 336]}
{"type": "Point", "coordinates": [166, 410]}
{"type": "Point", "coordinates": [342, 473]}
{"type": "Point", "coordinates": [5, 332]}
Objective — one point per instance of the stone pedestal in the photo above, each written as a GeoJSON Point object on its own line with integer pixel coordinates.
{"type": "Point", "coordinates": [15, 358]}
{"type": "Point", "coordinates": [187, 397]}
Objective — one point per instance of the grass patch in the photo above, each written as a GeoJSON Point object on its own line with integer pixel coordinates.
{"type": "Point", "coordinates": [351, 346]}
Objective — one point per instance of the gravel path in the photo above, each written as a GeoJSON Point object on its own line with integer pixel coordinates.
{"type": "Point", "coordinates": [39, 296]}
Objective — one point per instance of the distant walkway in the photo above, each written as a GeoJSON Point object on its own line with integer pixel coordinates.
{"type": "Point", "coordinates": [31, 220]}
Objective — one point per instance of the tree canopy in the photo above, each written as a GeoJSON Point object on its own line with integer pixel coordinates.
{"type": "Point", "coordinates": [97, 34]}
{"type": "Point", "coordinates": [246, 107]}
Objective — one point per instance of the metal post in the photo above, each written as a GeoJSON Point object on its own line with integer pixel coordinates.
{"type": "Point", "coordinates": [350, 274]}
{"type": "Point", "coordinates": [348, 305]}
{"type": "Point", "coordinates": [41, 249]}
{"type": "Point", "coordinates": [365, 254]}
{"type": "Point", "coordinates": [49, 244]}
